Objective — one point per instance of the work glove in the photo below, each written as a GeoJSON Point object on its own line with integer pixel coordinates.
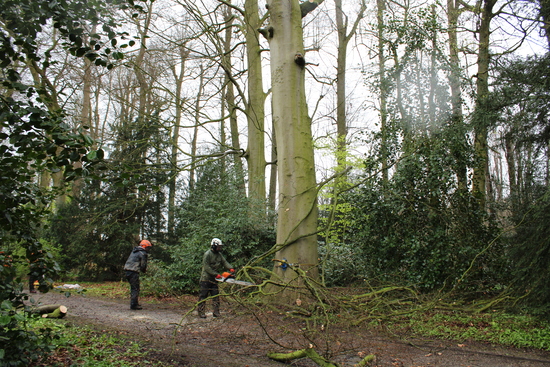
{"type": "Point", "coordinates": [218, 276]}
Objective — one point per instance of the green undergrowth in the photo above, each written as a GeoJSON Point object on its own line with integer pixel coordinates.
{"type": "Point", "coordinates": [121, 290]}
{"type": "Point", "coordinates": [107, 289]}
{"type": "Point", "coordinates": [84, 346]}
{"type": "Point", "coordinates": [522, 331]}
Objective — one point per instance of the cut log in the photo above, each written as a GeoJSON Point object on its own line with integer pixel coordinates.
{"type": "Point", "coordinates": [45, 309]}
{"type": "Point", "coordinates": [51, 311]}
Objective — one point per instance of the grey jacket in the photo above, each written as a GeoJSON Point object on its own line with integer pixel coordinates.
{"type": "Point", "coordinates": [137, 261]}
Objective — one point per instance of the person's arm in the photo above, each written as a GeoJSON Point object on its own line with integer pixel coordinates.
{"type": "Point", "coordinates": [226, 264]}
{"type": "Point", "coordinates": [143, 263]}
{"type": "Point", "coordinates": [206, 264]}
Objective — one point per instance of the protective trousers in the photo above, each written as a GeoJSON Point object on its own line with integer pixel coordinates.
{"type": "Point", "coordinates": [209, 289]}
{"type": "Point", "coordinates": [133, 279]}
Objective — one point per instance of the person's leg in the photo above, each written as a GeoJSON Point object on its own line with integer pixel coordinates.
{"type": "Point", "coordinates": [203, 295]}
{"type": "Point", "coordinates": [31, 284]}
{"type": "Point", "coordinates": [214, 292]}
{"type": "Point", "coordinates": [133, 279]}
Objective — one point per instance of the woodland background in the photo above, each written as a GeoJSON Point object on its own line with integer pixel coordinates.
{"type": "Point", "coordinates": [129, 120]}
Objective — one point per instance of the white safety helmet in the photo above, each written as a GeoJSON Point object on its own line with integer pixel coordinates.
{"type": "Point", "coordinates": [215, 242]}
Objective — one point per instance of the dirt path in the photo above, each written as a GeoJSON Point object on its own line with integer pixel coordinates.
{"type": "Point", "coordinates": [237, 340]}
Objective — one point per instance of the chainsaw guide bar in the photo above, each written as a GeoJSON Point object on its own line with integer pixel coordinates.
{"type": "Point", "coordinates": [234, 281]}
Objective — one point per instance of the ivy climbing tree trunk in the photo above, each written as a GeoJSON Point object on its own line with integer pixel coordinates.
{"type": "Point", "coordinates": [481, 112]}
{"type": "Point", "coordinates": [297, 203]}
{"type": "Point", "coordinates": [457, 118]}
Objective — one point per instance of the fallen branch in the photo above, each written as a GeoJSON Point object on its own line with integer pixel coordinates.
{"type": "Point", "coordinates": [308, 352]}
{"type": "Point", "coordinates": [365, 361]}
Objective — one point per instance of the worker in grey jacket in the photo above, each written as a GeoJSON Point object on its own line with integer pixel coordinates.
{"type": "Point", "coordinates": [212, 261]}
{"type": "Point", "coordinates": [136, 263]}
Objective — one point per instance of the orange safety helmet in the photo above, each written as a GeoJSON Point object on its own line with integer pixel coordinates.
{"type": "Point", "coordinates": [145, 244]}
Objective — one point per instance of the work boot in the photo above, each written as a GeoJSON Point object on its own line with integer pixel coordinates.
{"type": "Point", "coordinates": [216, 312]}
{"type": "Point", "coordinates": [200, 309]}
{"type": "Point", "coordinates": [136, 307]}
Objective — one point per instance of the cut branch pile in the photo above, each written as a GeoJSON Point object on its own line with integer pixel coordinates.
{"type": "Point", "coordinates": [322, 313]}
{"type": "Point", "coordinates": [314, 356]}
{"type": "Point", "coordinates": [308, 352]}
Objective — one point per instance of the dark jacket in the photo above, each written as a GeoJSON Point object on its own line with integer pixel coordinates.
{"type": "Point", "coordinates": [137, 261]}
{"type": "Point", "coordinates": [211, 264]}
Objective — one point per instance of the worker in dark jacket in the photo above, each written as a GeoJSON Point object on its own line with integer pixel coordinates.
{"type": "Point", "coordinates": [136, 263]}
{"type": "Point", "coordinates": [212, 261]}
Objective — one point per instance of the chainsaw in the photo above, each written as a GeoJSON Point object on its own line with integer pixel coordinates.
{"type": "Point", "coordinates": [229, 277]}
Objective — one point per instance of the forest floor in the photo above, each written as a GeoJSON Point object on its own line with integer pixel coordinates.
{"type": "Point", "coordinates": [240, 338]}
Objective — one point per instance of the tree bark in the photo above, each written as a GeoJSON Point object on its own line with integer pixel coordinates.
{"type": "Point", "coordinates": [255, 109]}
{"type": "Point", "coordinates": [86, 114]}
{"type": "Point", "coordinates": [194, 140]}
{"type": "Point", "coordinates": [383, 90]}
{"type": "Point", "coordinates": [341, 97]}
{"type": "Point", "coordinates": [230, 99]}
{"type": "Point", "coordinates": [544, 13]}
{"type": "Point", "coordinates": [272, 199]}
{"type": "Point", "coordinates": [481, 169]}
{"type": "Point", "coordinates": [178, 101]}
{"type": "Point", "coordinates": [457, 118]}
{"type": "Point", "coordinates": [297, 204]}
{"type": "Point", "coordinates": [47, 90]}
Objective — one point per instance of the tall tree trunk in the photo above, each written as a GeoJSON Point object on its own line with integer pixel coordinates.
{"type": "Point", "coordinates": [341, 97]}
{"type": "Point", "coordinates": [50, 96]}
{"type": "Point", "coordinates": [230, 99]}
{"type": "Point", "coordinates": [86, 114]}
{"type": "Point", "coordinates": [255, 109]}
{"type": "Point", "coordinates": [481, 168]}
{"type": "Point", "coordinates": [383, 90]}
{"type": "Point", "coordinates": [457, 118]}
{"type": "Point", "coordinates": [144, 89]}
{"type": "Point", "coordinates": [174, 149]}
{"type": "Point", "coordinates": [544, 13]}
{"type": "Point", "coordinates": [143, 31]}
{"type": "Point", "coordinates": [433, 32]}
{"type": "Point", "coordinates": [272, 199]}
{"type": "Point", "coordinates": [340, 180]}
{"type": "Point", "coordinates": [297, 204]}
{"type": "Point", "coordinates": [194, 140]}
